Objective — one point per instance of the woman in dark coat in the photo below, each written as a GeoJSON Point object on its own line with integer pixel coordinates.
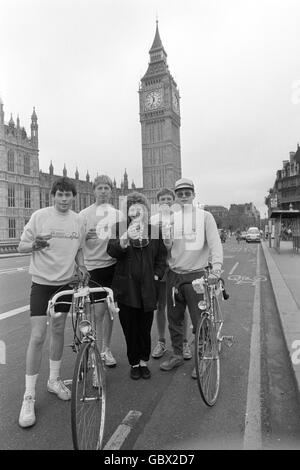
{"type": "Point", "coordinates": [141, 259]}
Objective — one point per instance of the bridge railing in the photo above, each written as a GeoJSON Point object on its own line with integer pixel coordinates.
{"type": "Point", "coordinates": [9, 247]}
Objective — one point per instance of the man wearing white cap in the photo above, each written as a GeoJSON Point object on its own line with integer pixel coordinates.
{"type": "Point", "coordinates": [194, 239]}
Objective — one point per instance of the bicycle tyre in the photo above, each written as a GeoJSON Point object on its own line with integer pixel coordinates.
{"type": "Point", "coordinates": [88, 403]}
{"type": "Point", "coordinates": [207, 361]}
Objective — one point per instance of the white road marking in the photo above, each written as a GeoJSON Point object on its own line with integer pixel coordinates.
{"type": "Point", "coordinates": [234, 268]}
{"type": "Point", "coordinates": [253, 437]}
{"type": "Point", "coordinates": [14, 270]}
{"type": "Point", "coordinates": [16, 311]}
{"type": "Point", "coordinates": [117, 439]}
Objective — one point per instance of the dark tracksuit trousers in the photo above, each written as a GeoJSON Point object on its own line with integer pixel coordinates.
{"type": "Point", "coordinates": [176, 314]}
{"type": "Point", "coordinates": [136, 325]}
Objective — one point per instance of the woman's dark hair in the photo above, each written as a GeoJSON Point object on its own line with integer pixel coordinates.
{"type": "Point", "coordinates": [136, 198]}
{"type": "Point", "coordinates": [63, 184]}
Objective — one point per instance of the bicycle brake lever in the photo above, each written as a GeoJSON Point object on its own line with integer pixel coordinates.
{"type": "Point", "coordinates": [111, 307]}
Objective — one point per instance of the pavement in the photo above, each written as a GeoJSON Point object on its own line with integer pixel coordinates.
{"type": "Point", "coordinates": [284, 271]}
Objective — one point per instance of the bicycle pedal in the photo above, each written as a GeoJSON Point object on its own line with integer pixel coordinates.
{"type": "Point", "coordinates": [228, 340]}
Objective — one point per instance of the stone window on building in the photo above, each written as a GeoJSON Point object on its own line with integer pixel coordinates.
{"type": "Point", "coordinates": [11, 196]}
{"type": "Point", "coordinates": [41, 200]}
{"type": "Point", "coordinates": [11, 228]}
{"type": "Point", "coordinates": [10, 161]}
{"type": "Point", "coordinates": [26, 165]}
{"type": "Point", "coordinates": [27, 198]}
{"type": "Point", "coordinates": [47, 199]}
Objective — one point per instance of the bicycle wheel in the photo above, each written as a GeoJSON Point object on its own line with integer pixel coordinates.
{"type": "Point", "coordinates": [88, 401]}
{"type": "Point", "coordinates": [207, 361]}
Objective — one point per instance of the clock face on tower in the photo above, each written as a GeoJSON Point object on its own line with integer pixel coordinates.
{"type": "Point", "coordinates": [175, 101]}
{"type": "Point", "coordinates": [153, 99]}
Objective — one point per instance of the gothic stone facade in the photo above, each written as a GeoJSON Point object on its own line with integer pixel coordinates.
{"type": "Point", "coordinates": [24, 188]}
{"type": "Point", "coordinates": [19, 175]}
{"type": "Point", "coordinates": [160, 123]}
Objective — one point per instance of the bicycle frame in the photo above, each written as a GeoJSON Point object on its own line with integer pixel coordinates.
{"type": "Point", "coordinates": [81, 311]}
{"type": "Point", "coordinates": [211, 293]}
{"type": "Point", "coordinates": [88, 385]}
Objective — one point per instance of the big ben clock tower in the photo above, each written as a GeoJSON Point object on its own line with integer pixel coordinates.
{"type": "Point", "coordinates": [160, 121]}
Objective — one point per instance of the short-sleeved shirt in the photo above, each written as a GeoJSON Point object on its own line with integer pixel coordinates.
{"type": "Point", "coordinates": [54, 265]}
{"type": "Point", "coordinates": [103, 218]}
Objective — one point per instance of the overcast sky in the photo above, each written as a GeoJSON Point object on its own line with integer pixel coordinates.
{"type": "Point", "coordinates": [236, 62]}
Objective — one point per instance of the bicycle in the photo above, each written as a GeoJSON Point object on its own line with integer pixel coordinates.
{"type": "Point", "coordinates": [208, 339]}
{"type": "Point", "coordinates": [88, 398]}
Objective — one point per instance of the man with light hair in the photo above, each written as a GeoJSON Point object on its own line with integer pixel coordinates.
{"type": "Point", "coordinates": [99, 218]}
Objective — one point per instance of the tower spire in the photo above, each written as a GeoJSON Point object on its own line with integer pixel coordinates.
{"type": "Point", "coordinates": [34, 128]}
{"type": "Point", "coordinates": [157, 44]}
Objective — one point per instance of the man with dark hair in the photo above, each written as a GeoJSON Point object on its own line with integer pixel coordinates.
{"type": "Point", "coordinates": [54, 235]}
{"type": "Point", "coordinates": [63, 184]}
{"type": "Point", "coordinates": [98, 220]}
{"type": "Point", "coordinates": [165, 198]}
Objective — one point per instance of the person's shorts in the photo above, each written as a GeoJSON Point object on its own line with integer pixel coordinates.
{"type": "Point", "coordinates": [41, 294]}
{"type": "Point", "coordinates": [101, 277]}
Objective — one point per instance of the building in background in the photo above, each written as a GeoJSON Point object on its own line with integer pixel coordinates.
{"type": "Point", "coordinates": [220, 214]}
{"type": "Point", "coordinates": [160, 123]}
{"type": "Point", "coordinates": [285, 193]}
{"type": "Point", "coordinates": [24, 188]}
{"type": "Point", "coordinates": [242, 216]}
{"type": "Point", "coordinates": [19, 175]}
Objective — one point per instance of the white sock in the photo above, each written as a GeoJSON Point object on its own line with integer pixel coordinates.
{"type": "Point", "coordinates": [143, 363]}
{"type": "Point", "coordinates": [30, 383]}
{"type": "Point", "coordinates": [54, 369]}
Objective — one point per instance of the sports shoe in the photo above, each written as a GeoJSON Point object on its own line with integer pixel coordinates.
{"type": "Point", "coordinates": [27, 414]}
{"type": "Point", "coordinates": [145, 372]}
{"type": "Point", "coordinates": [159, 350]}
{"type": "Point", "coordinates": [59, 388]}
{"type": "Point", "coordinates": [174, 361]}
{"type": "Point", "coordinates": [109, 359]}
{"type": "Point", "coordinates": [194, 373]}
{"type": "Point", "coordinates": [135, 373]}
{"type": "Point", "coordinates": [187, 353]}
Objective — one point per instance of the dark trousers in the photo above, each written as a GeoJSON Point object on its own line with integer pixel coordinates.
{"type": "Point", "coordinates": [136, 325]}
{"type": "Point", "coordinates": [176, 314]}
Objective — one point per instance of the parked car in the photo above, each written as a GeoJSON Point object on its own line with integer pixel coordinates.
{"type": "Point", "coordinates": [243, 235]}
{"type": "Point", "coordinates": [253, 235]}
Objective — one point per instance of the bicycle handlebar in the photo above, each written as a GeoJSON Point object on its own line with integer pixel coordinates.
{"type": "Point", "coordinates": [176, 290]}
{"type": "Point", "coordinates": [83, 292]}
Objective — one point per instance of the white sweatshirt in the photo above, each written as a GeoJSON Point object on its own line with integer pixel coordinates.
{"type": "Point", "coordinates": [196, 241]}
{"type": "Point", "coordinates": [54, 265]}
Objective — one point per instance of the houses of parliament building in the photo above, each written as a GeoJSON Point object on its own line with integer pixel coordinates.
{"type": "Point", "coordinates": [24, 188]}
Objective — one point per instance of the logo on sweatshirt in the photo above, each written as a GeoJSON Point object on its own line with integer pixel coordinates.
{"type": "Point", "coordinates": [63, 234]}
